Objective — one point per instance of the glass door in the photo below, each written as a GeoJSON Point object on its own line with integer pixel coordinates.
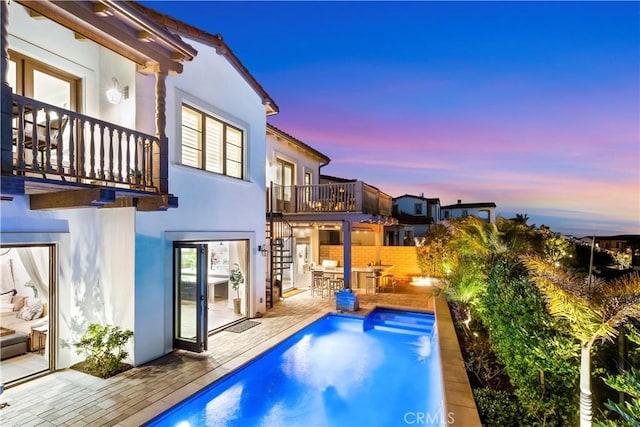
{"type": "Point", "coordinates": [190, 296]}
{"type": "Point", "coordinates": [27, 311]}
{"type": "Point", "coordinates": [302, 277]}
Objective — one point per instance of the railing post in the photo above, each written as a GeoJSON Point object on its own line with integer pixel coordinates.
{"type": "Point", "coordinates": [295, 198]}
{"type": "Point", "coordinates": [160, 173]}
{"type": "Point", "coordinates": [6, 102]}
{"type": "Point", "coordinates": [359, 198]}
{"type": "Point", "coordinates": [5, 124]}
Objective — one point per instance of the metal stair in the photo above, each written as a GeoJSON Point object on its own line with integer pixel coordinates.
{"type": "Point", "coordinates": [280, 240]}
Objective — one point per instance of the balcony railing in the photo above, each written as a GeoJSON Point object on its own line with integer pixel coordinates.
{"type": "Point", "coordinates": [353, 196]}
{"type": "Point", "coordinates": [56, 143]}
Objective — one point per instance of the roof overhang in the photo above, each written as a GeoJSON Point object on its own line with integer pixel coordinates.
{"type": "Point", "coordinates": [118, 26]}
{"type": "Point", "coordinates": [214, 40]}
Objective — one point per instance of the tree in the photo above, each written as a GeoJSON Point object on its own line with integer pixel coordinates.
{"type": "Point", "coordinates": [627, 383]}
{"type": "Point", "coordinates": [593, 311]}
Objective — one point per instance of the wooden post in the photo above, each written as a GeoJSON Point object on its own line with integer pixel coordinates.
{"type": "Point", "coordinates": [160, 153]}
{"type": "Point", "coordinates": [6, 102]}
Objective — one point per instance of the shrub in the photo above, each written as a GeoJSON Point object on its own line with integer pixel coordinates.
{"type": "Point", "coordinates": [499, 408]}
{"type": "Point", "coordinates": [103, 347]}
{"type": "Point", "coordinates": [539, 357]}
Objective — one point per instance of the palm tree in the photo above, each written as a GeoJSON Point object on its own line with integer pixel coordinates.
{"type": "Point", "coordinates": [593, 311]}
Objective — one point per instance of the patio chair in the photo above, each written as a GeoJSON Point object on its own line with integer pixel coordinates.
{"type": "Point", "coordinates": [56, 128]}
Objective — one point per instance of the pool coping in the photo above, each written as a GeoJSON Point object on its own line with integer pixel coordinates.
{"type": "Point", "coordinates": [155, 409]}
{"type": "Point", "coordinates": [459, 405]}
{"type": "Point", "coordinates": [457, 394]}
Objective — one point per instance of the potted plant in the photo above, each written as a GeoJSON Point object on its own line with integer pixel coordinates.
{"type": "Point", "coordinates": [135, 175]}
{"type": "Point", "coordinates": [236, 279]}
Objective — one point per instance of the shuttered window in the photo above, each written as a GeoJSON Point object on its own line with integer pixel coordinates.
{"type": "Point", "coordinates": [211, 144]}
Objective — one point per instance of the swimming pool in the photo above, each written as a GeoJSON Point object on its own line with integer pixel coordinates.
{"type": "Point", "coordinates": [380, 370]}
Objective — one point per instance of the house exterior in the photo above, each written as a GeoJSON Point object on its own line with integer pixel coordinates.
{"type": "Point", "coordinates": [128, 207]}
{"type": "Point", "coordinates": [417, 214]}
{"type": "Point", "coordinates": [307, 210]}
{"type": "Point", "coordinates": [482, 210]}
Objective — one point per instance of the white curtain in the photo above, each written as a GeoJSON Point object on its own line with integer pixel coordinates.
{"type": "Point", "coordinates": [36, 262]}
{"type": "Point", "coordinates": [237, 255]}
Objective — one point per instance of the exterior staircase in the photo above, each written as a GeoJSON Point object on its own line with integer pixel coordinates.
{"type": "Point", "coordinates": [280, 240]}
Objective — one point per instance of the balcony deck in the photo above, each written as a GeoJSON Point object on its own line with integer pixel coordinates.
{"type": "Point", "coordinates": [344, 197]}
{"type": "Point", "coordinates": [54, 150]}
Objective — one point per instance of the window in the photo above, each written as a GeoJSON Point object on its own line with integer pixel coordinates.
{"type": "Point", "coordinates": [417, 208]}
{"type": "Point", "coordinates": [465, 212]}
{"type": "Point", "coordinates": [284, 178]}
{"type": "Point", "coordinates": [211, 144]}
{"type": "Point", "coordinates": [37, 80]}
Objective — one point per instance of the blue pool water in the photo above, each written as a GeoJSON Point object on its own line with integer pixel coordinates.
{"type": "Point", "coordinates": [383, 370]}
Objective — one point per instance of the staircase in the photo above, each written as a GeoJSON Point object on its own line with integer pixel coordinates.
{"type": "Point", "coordinates": [402, 322]}
{"type": "Point", "coordinates": [280, 239]}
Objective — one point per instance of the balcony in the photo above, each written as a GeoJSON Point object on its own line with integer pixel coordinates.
{"type": "Point", "coordinates": [55, 150]}
{"type": "Point", "coordinates": [346, 197]}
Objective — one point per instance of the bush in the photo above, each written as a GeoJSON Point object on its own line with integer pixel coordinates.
{"type": "Point", "coordinates": [499, 408]}
{"type": "Point", "coordinates": [539, 358]}
{"type": "Point", "coordinates": [103, 347]}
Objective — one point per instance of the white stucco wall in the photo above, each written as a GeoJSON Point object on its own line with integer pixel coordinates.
{"type": "Point", "coordinates": [94, 265]}
{"type": "Point", "coordinates": [94, 248]}
{"type": "Point", "coordinates": [407, 205]}
{"type": "Point", "coordinates": [56, 46]}
{"type": "Point", "coordinates": [103, 252]}
{"type": "Point", "coordinates": [484, 213]}
{"type": "Point", "coordinates": [209, 204]}
{"type": "Point", "coordinates": [303, 161]}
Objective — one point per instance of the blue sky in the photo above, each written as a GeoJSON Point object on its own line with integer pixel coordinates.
{"type": "Point", "coordinates": [532, 105]}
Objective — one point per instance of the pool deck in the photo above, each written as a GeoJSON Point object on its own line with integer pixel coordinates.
{"type": "Point", "coordinates": [71, 398]}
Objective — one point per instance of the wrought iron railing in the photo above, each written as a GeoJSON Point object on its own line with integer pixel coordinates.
{"type": "Point", "coordinates": [63, 144]}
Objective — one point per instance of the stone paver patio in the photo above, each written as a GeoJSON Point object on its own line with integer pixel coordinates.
{"type": "Point", "coordinates": [71, 398]}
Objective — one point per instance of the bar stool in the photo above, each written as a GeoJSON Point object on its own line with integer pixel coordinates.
{"type": "Point", "coordinates": [335, 284]}
{"type": "Point", "coordinates": [318, 283]}
{"type": "Point", "coordinates": [371, 282]}
{"type": "Point", "coordinates": [388, 281]}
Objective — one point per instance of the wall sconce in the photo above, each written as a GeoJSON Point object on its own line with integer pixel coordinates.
{"type": "Point", "coordinates": [263, 249]}
{"type": "Point", "coordinates": [115, 93]}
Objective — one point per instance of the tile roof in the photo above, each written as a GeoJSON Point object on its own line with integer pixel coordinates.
{"type": "Point", "coordinates": [470, 205]}
{"type": "Point", "coordinates": [428, 199]}
{"type": "Point", "coordinates": [281, 133]}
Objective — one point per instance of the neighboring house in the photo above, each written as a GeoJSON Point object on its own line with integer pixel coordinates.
{"type": "Point", "coordinates": [485, 211]}
{"type": "Point", "coordinates": [306, 209]}
{"type": "Point", "coordinates": [625, 247]}
{"type": "Point", "coordinates": [417, 213]}
{"type": "Point", "coordinates": [127, 207]}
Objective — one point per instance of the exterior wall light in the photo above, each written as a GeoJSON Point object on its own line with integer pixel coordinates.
{"type": "Point", "coordinates": [115, 93]}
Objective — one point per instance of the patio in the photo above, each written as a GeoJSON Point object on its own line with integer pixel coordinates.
{"type": "Point", "coordinates": [72, 398]}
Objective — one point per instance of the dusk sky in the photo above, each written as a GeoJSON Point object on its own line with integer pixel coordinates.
{"type": "Point", "coordinates": [532, 105]}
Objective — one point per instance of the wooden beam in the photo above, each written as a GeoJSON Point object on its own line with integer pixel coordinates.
{"type": "Point", "coordinates": [111, 32]}
{"type": "Point", "coordinates": [95, 197]}
{"type": "Point", "coordinates": [156, 203]}
{"type": "Point", "coordinates": [146, 203]}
